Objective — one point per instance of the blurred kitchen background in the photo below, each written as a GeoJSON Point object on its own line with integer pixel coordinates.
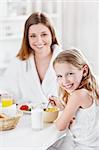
{"type": "Point", "coordinates": [76, 22]}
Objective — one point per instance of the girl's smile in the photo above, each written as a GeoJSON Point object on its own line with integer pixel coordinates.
{"type": "Point", "coordinates": [67, 86]}
{"type": "Point", "coordinates": [69, 77]}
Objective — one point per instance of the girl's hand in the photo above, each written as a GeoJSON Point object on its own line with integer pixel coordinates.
{"type": "Point", "coordinates": [55, 102]}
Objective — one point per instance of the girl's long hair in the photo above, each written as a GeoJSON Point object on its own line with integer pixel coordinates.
{"type": "Point", "coordinates": [77, 59]}
{"type": "Point", "coordinates": [34, 19]}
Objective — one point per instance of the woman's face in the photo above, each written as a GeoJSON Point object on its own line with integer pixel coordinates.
{"type": "Point", "coordinates": [68, 76]}
{"type": "Point", "coordinates": [40, 38]}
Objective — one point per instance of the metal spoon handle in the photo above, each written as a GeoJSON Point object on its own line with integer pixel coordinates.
{"type": "Point", "coordinates": [47, 104]}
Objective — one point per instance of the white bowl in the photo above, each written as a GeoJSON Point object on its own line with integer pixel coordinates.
{"type": "Point", "coordinates": [50, 114]}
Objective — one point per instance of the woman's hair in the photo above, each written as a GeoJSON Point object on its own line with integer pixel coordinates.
{"type": "Point", "coordinates": [77, 59]}
{"type": "Point", "coordinates": [34, 19]}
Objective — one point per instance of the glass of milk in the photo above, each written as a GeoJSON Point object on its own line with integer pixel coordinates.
{"type": "Point", "coordinates": [37, 119]}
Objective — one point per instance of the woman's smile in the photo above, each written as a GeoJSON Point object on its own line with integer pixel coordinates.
{"type": "Point", "coordinates": [40, 46]}
{"type": "Point", "coordinates": [40, 38]}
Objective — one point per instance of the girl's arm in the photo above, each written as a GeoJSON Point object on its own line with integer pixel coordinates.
{"type": "Point", "coordinates": [56, 102]}
{"type": "Point", "coordinates": [72, 106]}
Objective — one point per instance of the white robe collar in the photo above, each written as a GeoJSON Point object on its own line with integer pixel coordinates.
{"type": "Point", "coordinates": [30, 67]}
{"type": "Point", "coordinates": [30, 63]}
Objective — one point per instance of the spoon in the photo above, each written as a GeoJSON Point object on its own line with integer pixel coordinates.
{"type": "Point", "coordinates": [47, 106]}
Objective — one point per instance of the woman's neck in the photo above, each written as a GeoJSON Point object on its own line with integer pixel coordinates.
{"type": "Point", "coordinates": [43, 56]}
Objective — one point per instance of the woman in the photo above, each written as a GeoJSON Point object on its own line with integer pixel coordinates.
{"type": "Point", "coordinates": [30, 76]}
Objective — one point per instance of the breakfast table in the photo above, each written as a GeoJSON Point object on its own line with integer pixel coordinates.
{"type": "Point", "coordinates": [23, 137]}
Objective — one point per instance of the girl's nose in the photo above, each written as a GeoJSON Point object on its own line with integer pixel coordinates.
{"type": "Point", "coordinates": [65, 79]}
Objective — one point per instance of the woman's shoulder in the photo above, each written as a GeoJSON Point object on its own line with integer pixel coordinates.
{"type": "Point", "coordinates": [56, 48]}
{"type": "Point", "coordinates": [16, 61]}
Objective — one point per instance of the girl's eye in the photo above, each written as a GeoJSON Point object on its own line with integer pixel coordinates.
{"type": "Point", "coordinates": [59, 76]}
{"type": "Point", "coordinates": [70, 73]}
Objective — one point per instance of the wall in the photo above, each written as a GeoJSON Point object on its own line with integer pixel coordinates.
{"type": "Point", "coordinates": [81, 29]}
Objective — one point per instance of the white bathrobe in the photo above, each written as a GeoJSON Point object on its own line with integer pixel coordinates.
{"type": "Point", "coordinates": [22, 80]}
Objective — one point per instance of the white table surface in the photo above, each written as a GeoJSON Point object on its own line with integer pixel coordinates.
{"type": "Point", "coordinates": [23, 137]}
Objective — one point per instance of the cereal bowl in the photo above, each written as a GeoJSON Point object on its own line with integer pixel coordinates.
{"type": "Point", "coordinates": [50, 114]}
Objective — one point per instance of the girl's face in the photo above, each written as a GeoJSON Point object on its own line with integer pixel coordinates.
{"type": "Point", "coordinates": [40, 38]}
{"type": "Point", "coordinates": [68, 76]}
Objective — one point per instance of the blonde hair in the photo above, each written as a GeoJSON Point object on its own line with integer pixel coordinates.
{"type": "Point", "coordinates": [33, 19]}
{"type": "Point", "coordinates": [77, 59]}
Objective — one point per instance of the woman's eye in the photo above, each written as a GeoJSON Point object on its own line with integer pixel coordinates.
{"type": "Point", "coordinates": [44, 34]}
{"type": "Point", "coordinates": [33, 36]}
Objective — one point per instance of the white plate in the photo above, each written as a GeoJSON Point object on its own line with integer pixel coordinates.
{"type": "Point", "coordinates": [26, 111]}
{"type": "Point", "coordinates": [31, 105]}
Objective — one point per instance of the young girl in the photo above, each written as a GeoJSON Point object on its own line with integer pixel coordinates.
{"type": "Point", "coordinates": [79, 91]}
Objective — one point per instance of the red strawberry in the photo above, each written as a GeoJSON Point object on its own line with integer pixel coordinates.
{"type": "Point", "coordinates": [24, 107]}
